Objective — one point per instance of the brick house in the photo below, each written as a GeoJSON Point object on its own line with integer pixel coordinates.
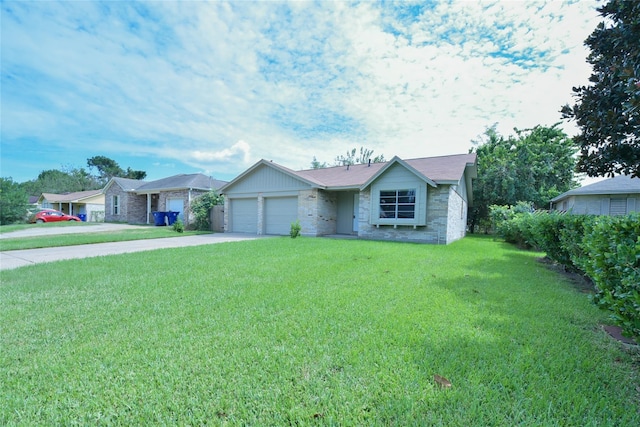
{"type": "Point", "coordinates": [421, 200]}
{"type": "Point", "coordinates": [134, 201]}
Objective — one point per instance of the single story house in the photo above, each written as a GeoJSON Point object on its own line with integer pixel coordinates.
{"type": "Point", "coordinates": [89, 205]}
{"type": "Point", "coordinates": [134, 201]}
{"type": "Point", "coordinates": [619, 195]}
{"type": "Point", "coordinates": [421, 200]}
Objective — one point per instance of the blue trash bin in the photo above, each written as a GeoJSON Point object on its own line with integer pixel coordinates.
{"type": "Point", "coordinates": [83, 217]}
{"type": "Point", "coordinates": [172, 217]}
{"type": "Point", "coordinates": [158, 217]}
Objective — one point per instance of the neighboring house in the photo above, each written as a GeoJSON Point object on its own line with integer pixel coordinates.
{"type": "Point", "coordinates": [134, 201]}
{"type": "Point", "coordinates": [89, 205]}
{"type": "Point", "coordinates": [614, 196]}
{"type": "Point", "coordinates": [422, 200]}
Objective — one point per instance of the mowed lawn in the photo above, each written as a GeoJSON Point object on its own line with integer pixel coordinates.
{"type": "Point", "coordinates": [309, 332]}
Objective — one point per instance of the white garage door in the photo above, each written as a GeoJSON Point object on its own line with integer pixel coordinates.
{"type": "Point", "coordinates": [279, 213]}
{"type": "Point", "coordinates": [244, 215]}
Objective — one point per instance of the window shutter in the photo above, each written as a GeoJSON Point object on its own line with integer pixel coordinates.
{"type": "Point", "coordinates": [604, 207]}
{"type": "Point", "coordinates": [631, 205]}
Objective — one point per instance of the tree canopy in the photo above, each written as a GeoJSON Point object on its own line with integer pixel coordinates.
{"type": "Point", "coordinates": [608, 110]}
{"type": "Point", "coordinates": [534, 165]}
{"type": "Point", "coordinates": [13, 201]}
{"type": "Point", "coordinates": [109, 168]}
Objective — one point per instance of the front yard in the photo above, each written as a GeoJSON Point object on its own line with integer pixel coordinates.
{"type": "Point", "coordinates": [309, 332]}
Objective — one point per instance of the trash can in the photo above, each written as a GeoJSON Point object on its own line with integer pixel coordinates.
{"type": "Point", "coordinates": [83, 217]}
{"type": "Point", "coordinates": [172, 217]}
{"type": "Point", "coordinates": [158, 217]}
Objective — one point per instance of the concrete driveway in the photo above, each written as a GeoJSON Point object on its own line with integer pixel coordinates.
{"type": "Point", "coordinates": [14, 259]}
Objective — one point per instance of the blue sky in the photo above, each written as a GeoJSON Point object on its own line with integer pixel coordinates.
{"type": "Point", "coordinates": [183, 87]}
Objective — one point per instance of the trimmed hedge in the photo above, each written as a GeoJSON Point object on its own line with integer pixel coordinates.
{"type": "Point", "coordinates": [605, 249]}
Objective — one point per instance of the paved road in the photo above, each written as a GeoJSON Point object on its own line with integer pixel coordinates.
{"type": "Point", "coordinates": [20, 258]}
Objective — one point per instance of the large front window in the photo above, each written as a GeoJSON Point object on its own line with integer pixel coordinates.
{"type": "Point", "coordinates": [398, 204]}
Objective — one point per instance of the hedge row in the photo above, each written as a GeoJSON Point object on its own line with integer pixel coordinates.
{"type": "Point", "coordinates": [605, 249]}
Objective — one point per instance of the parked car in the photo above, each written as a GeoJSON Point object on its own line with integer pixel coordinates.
{"type": "Point", "coordinates": [50, 215]}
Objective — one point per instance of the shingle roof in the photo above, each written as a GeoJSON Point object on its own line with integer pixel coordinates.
{"type": "Point", "coordinates": [443, 169]}
{"type": "Point", "coordinates": [70, 197]}
{"type": "Point", "coordinates": [621, 184]}
{"type": "Point", "coordinates": [128, 184]}
{"type": "Point", "coordinates": [195, 181]}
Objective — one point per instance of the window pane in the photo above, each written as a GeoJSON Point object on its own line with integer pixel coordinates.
{"type": "Point", "coordinates": [388, 211]}
{"type": "Point", "coordinates": [398, 204]}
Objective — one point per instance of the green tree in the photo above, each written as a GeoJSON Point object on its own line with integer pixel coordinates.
{"type": "Point", "coordinates": [13, 201]}
{"type": "Point", "coordinates": [354, 157]}
{"type": "Point", "coordinates": [315, 164]}
{"type": "Point", "coordinates": [608, 110]}
{"type": "Point", "coordinates": [534, 165]}
{"type": "Point", "coordinates": [109, 168]}
{"type": "Point", "coordinates": [61, 181]}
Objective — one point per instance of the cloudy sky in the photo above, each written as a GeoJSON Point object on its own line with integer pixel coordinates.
{"type": "Point", "coordinates": [182, 87]}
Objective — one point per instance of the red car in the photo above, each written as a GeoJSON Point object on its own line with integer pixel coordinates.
{"type": "Point", "coordinates": [49, 215]}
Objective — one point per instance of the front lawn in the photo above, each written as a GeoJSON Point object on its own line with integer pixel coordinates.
{"type": "Point", "coordinates": [309, 332]}
{"type": "Point", "coordinates": [89, 237]}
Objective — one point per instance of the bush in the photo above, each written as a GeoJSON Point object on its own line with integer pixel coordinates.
{"type": "Point", "coordinates": [178, 226]}
{"type": "Point", "coordinates": [612, 261]}
{"type": "Point", "coordinates": [605, 249]}
{"type": "Point", "coordinates": [295, 229]}
{"type": "Point", "coordinates": [201, 209]}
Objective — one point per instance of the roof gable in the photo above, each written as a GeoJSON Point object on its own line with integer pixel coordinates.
{"type": "Point", "coordinates": [397, 161]}
{"type": "Point", "coordinates": [237, 182]}
{"type": "Point", "coordinates": [125, 184]}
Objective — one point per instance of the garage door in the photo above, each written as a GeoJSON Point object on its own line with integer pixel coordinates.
{"type": "Point", "coordinates": [279, 213]}
{"type": "Point", "coordinates": [244, 215]}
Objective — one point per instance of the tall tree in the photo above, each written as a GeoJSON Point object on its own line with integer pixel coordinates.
{"type": "Point", "coordinates": [608, 110]}
{"type": "Point", "coordinates": [109, 168]}
{"type": "Point", "coordinates": [534, 165]}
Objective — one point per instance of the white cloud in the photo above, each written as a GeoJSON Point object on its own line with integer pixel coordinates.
{"type": "Point", "coordinates": [189, 83]}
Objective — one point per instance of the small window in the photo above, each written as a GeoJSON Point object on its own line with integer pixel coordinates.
{"type": "Point", "coordinates": [116, 205]}
{"type": "Point", "coordinates": [398, 204]}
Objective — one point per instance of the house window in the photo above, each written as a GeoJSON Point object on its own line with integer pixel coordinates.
{"type": "Point", "coordinates": [398, 204]}
{"type": "Point", "coordinates": [115, 208]}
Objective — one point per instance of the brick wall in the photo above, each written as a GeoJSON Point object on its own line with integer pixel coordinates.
{"type": "Point", "coordinates": [317, 212]}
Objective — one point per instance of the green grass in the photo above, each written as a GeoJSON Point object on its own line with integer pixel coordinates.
{"type": "Point", "coordinates": [87, 237]}
{"type": "Point", "coordinates": [309, 332]}
{"type": "Point", "coordinates": [23, 226]}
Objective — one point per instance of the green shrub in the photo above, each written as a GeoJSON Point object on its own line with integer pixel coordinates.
{"type": "Point", "coordinates": [178, 226]}
{"type": "Point", "coordinates": [295, 229]}
{"type": "Point", "coordinates": [612, 261]}
{"type": "Point", "coordinates": [514, 223]}
{"type": "Point", "coordinates": [571, 238]}
{"type": "Point", "coordinates": [201, 209]}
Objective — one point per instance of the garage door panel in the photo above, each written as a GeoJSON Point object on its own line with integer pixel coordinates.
{"type": "Point", "coordinates": [280, 212]}
{"type": "Point", "coordinates": [244, 215]}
